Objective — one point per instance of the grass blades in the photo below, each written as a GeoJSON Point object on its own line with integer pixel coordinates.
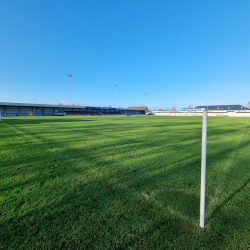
{"type": "Point", "coordinates": [123, 183]}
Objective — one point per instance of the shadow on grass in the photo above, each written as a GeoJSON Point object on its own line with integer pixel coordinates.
{"type": "Point", "coordinates": [42, 120]}
{"type": "Point", "coordinates": [94, 213]}
{"type": "Point", "coordinates": [100, 204]}
{"type": "Point", "coordinates": [228, 199]}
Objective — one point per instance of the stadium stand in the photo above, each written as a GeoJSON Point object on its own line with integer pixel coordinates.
{"type": "Point", "coordinates": [27, 109]}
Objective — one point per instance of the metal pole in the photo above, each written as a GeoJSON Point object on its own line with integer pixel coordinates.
{"type": "Point", "coordinates": [146, 100]}
{"type": "Point", "coordinates": [69, 89]}
{"type": "Point", "coordinates": [69, 93]}
{"type": "Point", "coordinates": [203, 170]}
{"type": "Point", "coordinates": [115, 94]}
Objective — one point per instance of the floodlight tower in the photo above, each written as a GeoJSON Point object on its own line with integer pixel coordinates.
{"type": "Point", "coordinates": [69, 89]}
{"type": "Point", "coordinates": [115, 94]}
{"type": "Point", "coordinates": [146, 100]}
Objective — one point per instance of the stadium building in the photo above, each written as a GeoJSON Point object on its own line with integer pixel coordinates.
{"type": "Point", "coordinates": [28, 109]}
{"type": "Point", "coordinates": [213, 110]}
{"type": "Point", "coordinates": [223, 107]}
{"type": "Point", "coordinates": [235, 107]}
{"type": "Point", "coordinates": [139, 108]}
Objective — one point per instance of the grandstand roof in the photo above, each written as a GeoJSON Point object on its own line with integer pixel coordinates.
{"type": "Point", "coordinates": [58, 106]}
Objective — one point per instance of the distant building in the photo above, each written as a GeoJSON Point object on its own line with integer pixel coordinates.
{"type": "Point", "coordinates": [223, 107]}
{"type": "Point", "coordinates": [216, 108]}
{"type": "Point", "coordinates": [33, 109]}
{"type": "Point", "coordinates": [140, 107]}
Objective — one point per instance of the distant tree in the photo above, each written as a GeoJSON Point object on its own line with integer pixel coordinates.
{"type": "Point", "coordinates": [248, 105]}
{"type": "Point", "coordinates": [160, 109]}
{"type": "Point", "coordinates": [174, 108]}
{"type": "Point", "coordinates": [110, 106]}
{"type": "Point", "coordinates": [73, 104]}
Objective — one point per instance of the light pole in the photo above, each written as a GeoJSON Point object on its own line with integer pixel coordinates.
{"type": "Point", "coordinates": [146, 100]}
{"type": "Point", "coordinates": [69, 89]}
{"type": "Point", "coordinates": [115, 94]}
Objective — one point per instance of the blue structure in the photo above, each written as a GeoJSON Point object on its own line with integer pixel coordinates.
{"type": "Point", "coordinates": [28, 109]}
{"type": "Point", "coordinates": [216, 108]}
{"type": "Point", "coordinates": [224, 107]}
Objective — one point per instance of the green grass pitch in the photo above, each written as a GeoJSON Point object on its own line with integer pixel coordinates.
{"type": "Point", "coordinates": [123, 183]}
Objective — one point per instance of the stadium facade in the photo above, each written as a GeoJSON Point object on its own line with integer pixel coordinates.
{"type": "Point", "coordinates": [217, 107]}
{"type": "Point", "coordinates": [29, 109]}
{"type": "Point", "coordinates": [213, 110]}
{"type": "Point", "coordinates": [140, 108]}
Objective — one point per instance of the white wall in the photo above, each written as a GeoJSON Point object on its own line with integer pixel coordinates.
{"type": "Point", "coordinates": [230, 114]}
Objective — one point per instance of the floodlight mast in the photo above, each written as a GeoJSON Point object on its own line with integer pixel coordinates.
{"type": "Point", "coordinates": [69, 89]}
{"type": "Point", "coordinates": [115, 94]}
{"type": "Point", "coordinates": [146, 100]}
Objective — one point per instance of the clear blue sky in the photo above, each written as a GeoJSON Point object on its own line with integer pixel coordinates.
{"type": "Point", "coordinates": [172, 50]}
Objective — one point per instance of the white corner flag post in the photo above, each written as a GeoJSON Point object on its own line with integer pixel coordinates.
{"type": "Point", "coordinates": [203, 169]}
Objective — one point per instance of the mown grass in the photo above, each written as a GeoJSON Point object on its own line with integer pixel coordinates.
{"type": "Point", "coordinates": [123, 183]}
